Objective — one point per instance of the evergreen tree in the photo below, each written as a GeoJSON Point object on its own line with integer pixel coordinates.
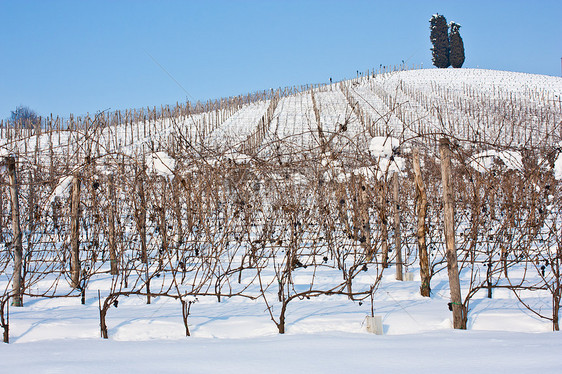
{"type": "Point", "coordinates": [456, 55]}
{"type": "Point", "coordinates": [440, 39]}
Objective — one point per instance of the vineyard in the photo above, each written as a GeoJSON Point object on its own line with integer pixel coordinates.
{"type": "Point", "coordinates": [330, 196]}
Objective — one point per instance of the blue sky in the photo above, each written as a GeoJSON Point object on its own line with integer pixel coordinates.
{"type": "Point", "coordinates": [65, 57]}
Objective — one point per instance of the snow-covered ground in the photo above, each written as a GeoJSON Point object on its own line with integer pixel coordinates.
{"type": "Point", "coordinates": [332, 352]}
{"type": "Point", "coordinates": [324, 335]}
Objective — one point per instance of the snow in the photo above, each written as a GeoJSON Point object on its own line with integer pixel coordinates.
{"type": "Point", "coordinates": [332, 352]}
{"type": "Point", "coordinates": [381, 146]}
{"type": "Point", "coordinates": [325, 335]}
{"type": "Point", "coordinates": [235, 129]}
{"type": "Point", "coordinates": [558, 167]}
{"type": "Point", "coordinates": [485, 161]}
{"type": "Point", "coordinates": [162, 164]}
{"type": "Point", "coordinates": [238, 158]}
{"type": "Point", "coordinates": [384, 150]}
{"type": "Point", "coordinates": [62, 188]}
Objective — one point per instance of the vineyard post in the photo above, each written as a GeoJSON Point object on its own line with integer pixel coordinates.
{"type": "Point", "coordinates": [397, 236]}
{"type": "Point", "coordinates": [163, 225]}
{"type": "Point", "coordinates": [111, 239]}
{"type": "Point", "coordinates": [383, 217]}
{"type": "Point", "coordinates": [75, 233]}
{"type": "Point", "coordinates": [366, 242]}
{"type": "Point", "coordinates": [141, 219]}
{"type": "Point", "coordinates": [449, 224]}
{"type": "Point", "coordinates": [17, 235]}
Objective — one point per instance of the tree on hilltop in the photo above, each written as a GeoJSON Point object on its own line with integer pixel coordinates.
{"type": "Point", "coordinates": [440, 39]}
{"type": "Point", "coordinates": [456, 54]}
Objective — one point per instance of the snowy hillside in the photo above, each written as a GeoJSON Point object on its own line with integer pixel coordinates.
{"type": "Point", "coordinates": [291, 230]}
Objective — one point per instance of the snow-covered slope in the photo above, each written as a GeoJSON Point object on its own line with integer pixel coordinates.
{"type": "Point", "coordinates": [513, 109]}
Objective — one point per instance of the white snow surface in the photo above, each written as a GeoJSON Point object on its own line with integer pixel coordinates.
{"type": "Point", "coordinates": [485, 161]}
{"type": "Point", "coordinates": [324, 335]}
{"type": "Point", "coordinates": [558, 167]}
{"type": "Point", "coordinates": [333, 352]}
{"type": "Point", "coordinates": [61, 189]}
{"type": "Point", "coordinates": [383, 150]}
{"type": "Point", "coordinates": [162, 164]}
{"type": "Point", "coordinates": [382, 146]}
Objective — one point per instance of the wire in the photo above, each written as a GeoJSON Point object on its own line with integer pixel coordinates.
{"type": "Point", "coordinates": [170, 75]}
{"type": "Point", "coordinates": [400, 305]}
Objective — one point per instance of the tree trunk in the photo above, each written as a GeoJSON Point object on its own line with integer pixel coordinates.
{"type": "Point", "coordinates": [103, 313]}
{"type": "Point", "coordinates": [185, 314]}
{"type": "Point", "coordinates": [425, 273]}
{"type": "Point", "coordinates": [459, 322]}
{"type": "Point", "coordinates": [281, 324]}
{"type": "Point", "coordinates": [5, 319]}
{"type": "Point", "coordinates": [555, 311]}
{"type": "Point", "coordinates": [17, 235]}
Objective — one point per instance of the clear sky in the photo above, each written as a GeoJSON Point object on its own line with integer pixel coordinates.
{"type": "Point", "coordinates": [83, 56]}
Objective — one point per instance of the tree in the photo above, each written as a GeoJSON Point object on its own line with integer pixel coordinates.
{"type": "Point", "coordinates": [23, 116]}
{"type": "Point", "coordinates": [440, 39]}
{"type": "Point", "coordinates": [456, 55]}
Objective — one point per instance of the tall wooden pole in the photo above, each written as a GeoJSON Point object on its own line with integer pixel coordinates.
{"type": "Point", "coordinates": [163, 226]}
{"type": "Point", "coordinates": [112, 239]}
{"type": "Point", "coordinates": [384, 225]}
{"type": "Point", "coordinates": [17, 235]}
{"type": "Point", "coordinates": [141, 217]}
{"type": "Point", "coordinates": [75, 233]}
{"type": "Point", "coordinates": [397, 234]}
{"type": "Point", "coordinates": [365, 219]}
{"type": "Point", "coordinates": [449, 217]}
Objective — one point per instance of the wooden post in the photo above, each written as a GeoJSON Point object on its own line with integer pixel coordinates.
{"type": "Point", "coordinates": [177, 206]}
{"type": "Point", "coordinates": [421, 196]}
{"type": "Point", "coordinates": [75, 233]}
{"type": "Point", "coordinates": [55, 215]}
{"type": "Point", "coordinates": [31, 202]}
{"type": "Point", "coordinates": [141, 219]}
{"type": "Point", "coordinates": [449, 225]}
{"type": "Point", "coordinates": [112, 244]}
{"type": "Point", "coordinates": [17, 235]}
{"type": "Point", "coordinates": [397, 235]}
{"type": "Point", "coordinates": [384, 225]}
{"type": "Point", "coordinates": [163, 225]}
{"type": "Point", "coordinates": [365, 220]}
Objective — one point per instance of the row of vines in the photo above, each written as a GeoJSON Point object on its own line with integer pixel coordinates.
{"type": "Point", "coordinates": [278, 228]}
